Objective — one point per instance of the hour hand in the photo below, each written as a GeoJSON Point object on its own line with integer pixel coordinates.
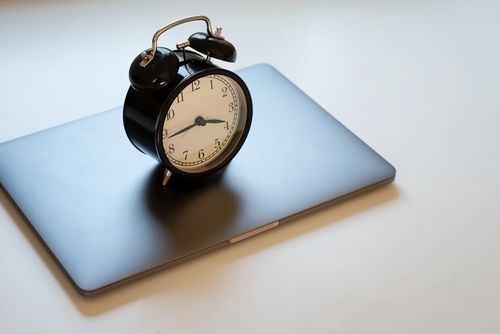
{"type": "Point", "coordinates": [215, 121]}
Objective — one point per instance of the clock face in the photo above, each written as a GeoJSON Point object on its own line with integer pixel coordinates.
{"type": "Point", "coordinates": [204, 123]}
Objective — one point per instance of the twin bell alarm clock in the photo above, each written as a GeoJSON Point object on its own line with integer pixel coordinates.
{"type": "Point", "coordinates": [183, 110]}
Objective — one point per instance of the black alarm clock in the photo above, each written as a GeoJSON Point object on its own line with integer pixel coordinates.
{"type": "Point", "coordinates": [183, 110]}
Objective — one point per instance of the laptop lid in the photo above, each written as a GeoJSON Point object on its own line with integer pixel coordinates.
{"type": "Point", "coordinates": [98, 206]}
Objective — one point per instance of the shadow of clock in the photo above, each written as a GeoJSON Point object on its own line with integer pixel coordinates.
{"type": "Point", "coordinates": [193, 215]}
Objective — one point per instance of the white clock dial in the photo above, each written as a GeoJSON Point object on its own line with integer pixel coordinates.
{"type": "Point", "coordinates": [203, 121]}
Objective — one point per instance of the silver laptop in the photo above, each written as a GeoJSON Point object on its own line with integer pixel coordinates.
{"type": "Point", "coordinates": [98, 206]}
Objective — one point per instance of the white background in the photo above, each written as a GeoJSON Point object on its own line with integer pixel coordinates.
{"type": "Point", "coordinates": [419, 81]}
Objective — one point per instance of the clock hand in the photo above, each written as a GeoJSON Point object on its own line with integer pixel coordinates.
{"type": "Point", "coordinates": [199, 121]}
{"type": "Point", "coordinates": [214, 121]}
{"type": "Point", "coordinates": [183, 130]}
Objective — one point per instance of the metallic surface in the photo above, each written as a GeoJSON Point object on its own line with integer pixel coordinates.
{"type": "Point", "coordinates": [148, 56]}
{"type": "Point", "coordinates": [98, 206]}
{"type": "Point", "coordinates": [166, 177]}
{"type": "Point", "coordinates": [254, 232]}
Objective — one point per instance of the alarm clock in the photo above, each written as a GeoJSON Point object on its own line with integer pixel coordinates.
{"type": "Point", "coordinates": [182, 109]}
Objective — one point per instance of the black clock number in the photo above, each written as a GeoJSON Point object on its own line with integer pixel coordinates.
{"type": "Point", "coordinates": [201, 154]}
{"type": "Point", "coordinates": [180, 97]}
{"type": "Point", "coordinates": [170, 114]}
{"type": "Point", "coordinates": [211, 84]}
{"type": "Point", "coordinates": [217, 143]}
{"type": "Point", "coordinates": [195, 85]}
{"type": "Point", "coordinates": [185, 154]}
{"type": "Point", "coordinates": [226, 126]}
{"type": "Point", "coordinates": [224, 91]}
{"type": "Point", "coordinates": [231, 106]}
{"type": "Point", "coordinates": [164, 134]}
{"type": "Point", "coordinates": [171, 149]}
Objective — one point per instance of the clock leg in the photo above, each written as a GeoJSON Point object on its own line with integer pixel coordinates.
{"type": "Point", "coordinates": [166, 176]}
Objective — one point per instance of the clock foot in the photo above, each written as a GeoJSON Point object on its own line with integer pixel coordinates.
{"type": "Point", "coordinates": [166, 176]}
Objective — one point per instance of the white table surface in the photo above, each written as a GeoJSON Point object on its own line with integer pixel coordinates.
{"type": "Point", "coordinates": [419, 81]}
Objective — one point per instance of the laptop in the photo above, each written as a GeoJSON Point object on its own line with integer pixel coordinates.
{"type": "Point", "coordinates": [98, 206]}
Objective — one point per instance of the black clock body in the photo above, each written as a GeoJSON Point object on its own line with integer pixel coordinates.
{"type": "Point", "coordinates": [144, 112]}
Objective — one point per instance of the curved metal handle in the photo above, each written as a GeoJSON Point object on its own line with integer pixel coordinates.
{"type": "Point", "coordinates": [148, 57]}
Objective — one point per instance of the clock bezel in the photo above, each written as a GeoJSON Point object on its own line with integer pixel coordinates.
{"type": "Point", "coordinates": [223, 159]}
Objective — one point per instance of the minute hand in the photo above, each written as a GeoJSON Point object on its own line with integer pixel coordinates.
{"type": "Point", "coordinates": [183, 130]}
